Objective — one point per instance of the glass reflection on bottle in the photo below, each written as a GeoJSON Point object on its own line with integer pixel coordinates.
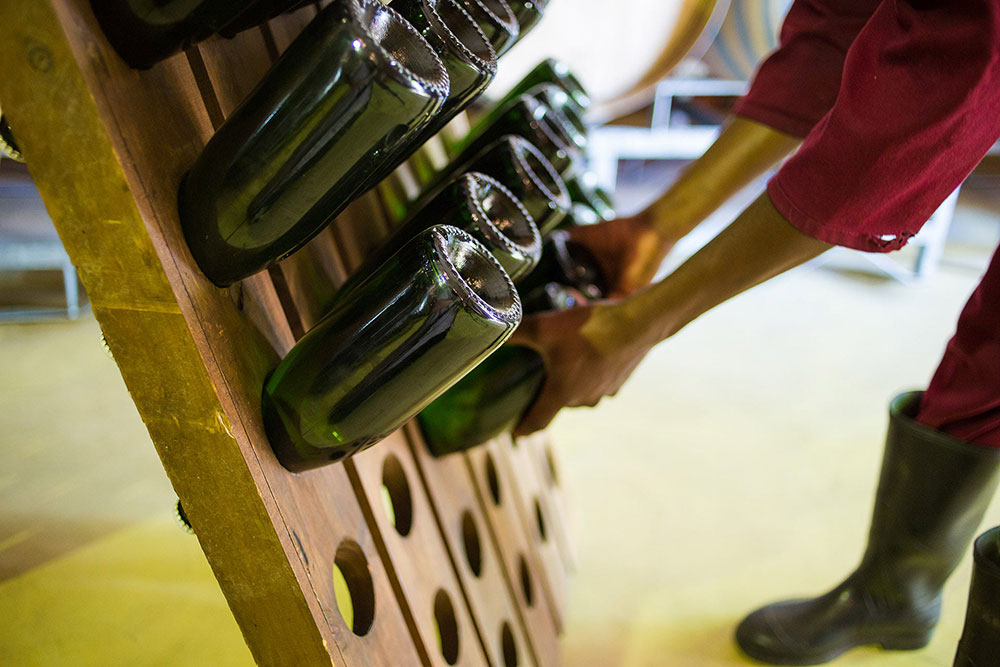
{"type": "Point", "coordinates": [467, 55]}
{"type": "Point", "coordinates": [532, 120]}
{"type": "Point", "coordinates": [388, 348]}
{"type": "Point", "coordinates": [566, 262]}
{"type": "Point", "coordinates": [551, 71]}
{"type": "Point", "coordinates": [528, 13]}
{"type": "Point", "coordinates": [477, 204]}
{"type": "Point", "coordinates": [143, 32]}
{"type": "Point", "coordinates": [583, 189]}
{"type": "Point", "coordinates": [523, 169]}
{"type": "Point", "coordinates": [356, 84]}
{"type": "Point", "coordinates": [497, 21]}
{"type": "Point", "coordinates": [494, 397]}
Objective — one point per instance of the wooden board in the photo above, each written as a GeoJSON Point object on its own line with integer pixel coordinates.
{"type": "Point", "coordinates": [108, 146]}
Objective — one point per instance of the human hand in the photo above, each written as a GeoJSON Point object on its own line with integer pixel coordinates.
{"type": "Point", "coordinates": [629, 250]}
{"type": "Point", "coordinates": [589, 351]}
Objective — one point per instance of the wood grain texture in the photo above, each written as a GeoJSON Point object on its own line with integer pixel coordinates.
{"type": "Point", "coordinates": [518, 551]}
{"type": "Point", "coordinates": [108, 147]}
{"type": "Point", "coordinates": [537, 518]}
{"type": "Point", "coordinates": [481, 572]}
{"type": "Point", "coordinates": [422, 566]}
{"type": "Point", "coordinates": [546, 462]}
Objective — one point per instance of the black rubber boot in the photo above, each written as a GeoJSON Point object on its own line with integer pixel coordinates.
{"type": "Point", "coordinates": [932, 494]}
{"type": "Point", "coordinates": [980, 645]}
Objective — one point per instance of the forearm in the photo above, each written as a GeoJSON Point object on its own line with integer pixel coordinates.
{"type": "Point", "coordinates": [743, 151]}
{"type": "Point", "coordinates": [757, 246]}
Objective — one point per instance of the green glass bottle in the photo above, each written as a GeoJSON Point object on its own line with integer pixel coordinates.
{"type": "Point", "coordinates": [580, 215]}
{"type": "Point", "coordinates": [388, 348]}
{"type": "Point", "coordinates": [497, 21]}
{"type": "Point", "coordinates": [566, 262]}
{"type": "Point", "coordinates": [528, 13]}
{"type": "Point", "coordinates": [143, 32]}
{"type": "Point", "coordinates": [534, 181]}
{"type": "Point", "coordinates": [479, 205]}
{"type": "Point", "coordinates": [358, 83]}
{"type": "Point", "coordinates": [528, 118]}
{"type": "Point", "coordinates": [551, 71]}
{"type": "Point", "coordinates": [565, 110]}
{"type": "Point", "coordinates": [495, 395]}
{"type": "Point", "coordinates": [258, 12]}
{"type": "Point", "coordinates": [583, 189]}
{"type": "Point", "coordinates": [467, 55]}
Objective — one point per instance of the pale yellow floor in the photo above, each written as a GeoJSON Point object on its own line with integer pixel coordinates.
{"type": "Point", "coordinates": [735, 468]}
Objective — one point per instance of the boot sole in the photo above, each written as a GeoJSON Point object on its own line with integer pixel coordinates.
{"type": "Point", "coordinates": [886, 641]}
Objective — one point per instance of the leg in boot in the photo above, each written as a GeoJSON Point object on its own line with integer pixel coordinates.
{"type": "Point", "coordinates": [933, 491]}
{"type": "Point", "coordinates": [980, 645]}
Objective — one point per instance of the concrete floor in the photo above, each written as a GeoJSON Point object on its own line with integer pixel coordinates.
{"type": "Point", "coordinates": [735, 468]}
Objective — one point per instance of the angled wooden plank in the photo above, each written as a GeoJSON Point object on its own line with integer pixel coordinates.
{"type": "Point", "coordinates": [495, 490]}
{"type": "Point", "coordinates": [386, 477]}
{"type": "Point", "coordinates": [480, 570]}
{"type": "Point", "coordinates": [108, 146]}
{"type": "Point", "coordinates": [537, 517]}
{"type": "Point", "coordinates": [541, 450]}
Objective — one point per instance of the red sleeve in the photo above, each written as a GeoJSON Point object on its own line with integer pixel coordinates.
{"type": "Point", "coordinates": [918, 108]}
{"type": "Point", "coordinates": [797, 85]}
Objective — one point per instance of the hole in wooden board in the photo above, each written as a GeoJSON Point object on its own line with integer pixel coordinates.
{"type": "Point", "coordinates": [446, 627]}
{"type": "Point", "coordinates": [540, 520]}
{"type": "Point", "coordinates": [550, 460]}
{"type": "Point", "coordinates": [492, 480]}
{"type": "Point", "coordinates": [527, 587]}
{"type": "Point", "coordinates": [508, 645]}
{"type": "Point", "coordinates": [353, 587]}
{"type": "Point", "coordinates": [396, 499]}
{"type": "Point", "coordinates": [473, 549]}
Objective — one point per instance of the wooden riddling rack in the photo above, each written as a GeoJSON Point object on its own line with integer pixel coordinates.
{"type": "Point", "coordinates": [478, 578]}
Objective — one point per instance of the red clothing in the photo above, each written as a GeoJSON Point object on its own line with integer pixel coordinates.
{"type": "Point", "coordinates": [898, 101]}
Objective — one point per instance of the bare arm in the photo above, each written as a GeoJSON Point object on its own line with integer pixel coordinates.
{"type": "Point", "coordinates": [631, 250]}
{"type": "Point", "coordinates": [590, 351]}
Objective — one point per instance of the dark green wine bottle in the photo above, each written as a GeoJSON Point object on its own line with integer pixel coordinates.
{"type": "Point", "coordinates": [144, 32]}
{"type": "Point", "coordinates": [497, 21]}
{"type": "Point", "coordinates": [495, 395]}
{"type": "Point", "coordinates": [524, 170]}
{"type": "Point", "coordinates": [528, 118]}
{"type": "Point", "coordinates": [388, 348]}
{"type": "Point", "coordinates": [528, 13]}
{"type": "Point", "coordinates": [258, 12]}
{"type": "Point", "coordinates": [583, 189]}
{"type": "Point", "coordinates": [467, 55]}
{"type": "Point", "coordinates": [550, 71]}
{"type": "Point", "coordinates": [516, 164]}
{"type": "Point", "coordinates": [479, 205]}
{"type": "Point", "coordinates": [358, 83]}
{"type": "Point", "coordinates": [580, 215]}
{"type": "Point", "coordinates": [566, 262]}
{"type": "Point", "coordinates": [565, 110]}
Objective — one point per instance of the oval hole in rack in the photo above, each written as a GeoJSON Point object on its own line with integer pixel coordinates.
{"type": "Point", "coordinates": [396, 499]}
{"type": "Point", "coordinates": [508, 646]}
{"type": "Point", "coordinates": [353, 587]}
{"type": "Point", "coordinates": [492, 480]}
{"type": "Point", "coordinates": [446, 627]}
{"type": "Point", "coordinates": [473, 548]}
{"type": "Point", "coordinates": [527, 587]}
{"type": "Point", "coordinates": [540, 520]}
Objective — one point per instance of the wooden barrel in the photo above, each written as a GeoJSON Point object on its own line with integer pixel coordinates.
{"type": "Point", "coordinates": [609, 46]}
{"type": "Point", "coordinates": [748, 33]}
